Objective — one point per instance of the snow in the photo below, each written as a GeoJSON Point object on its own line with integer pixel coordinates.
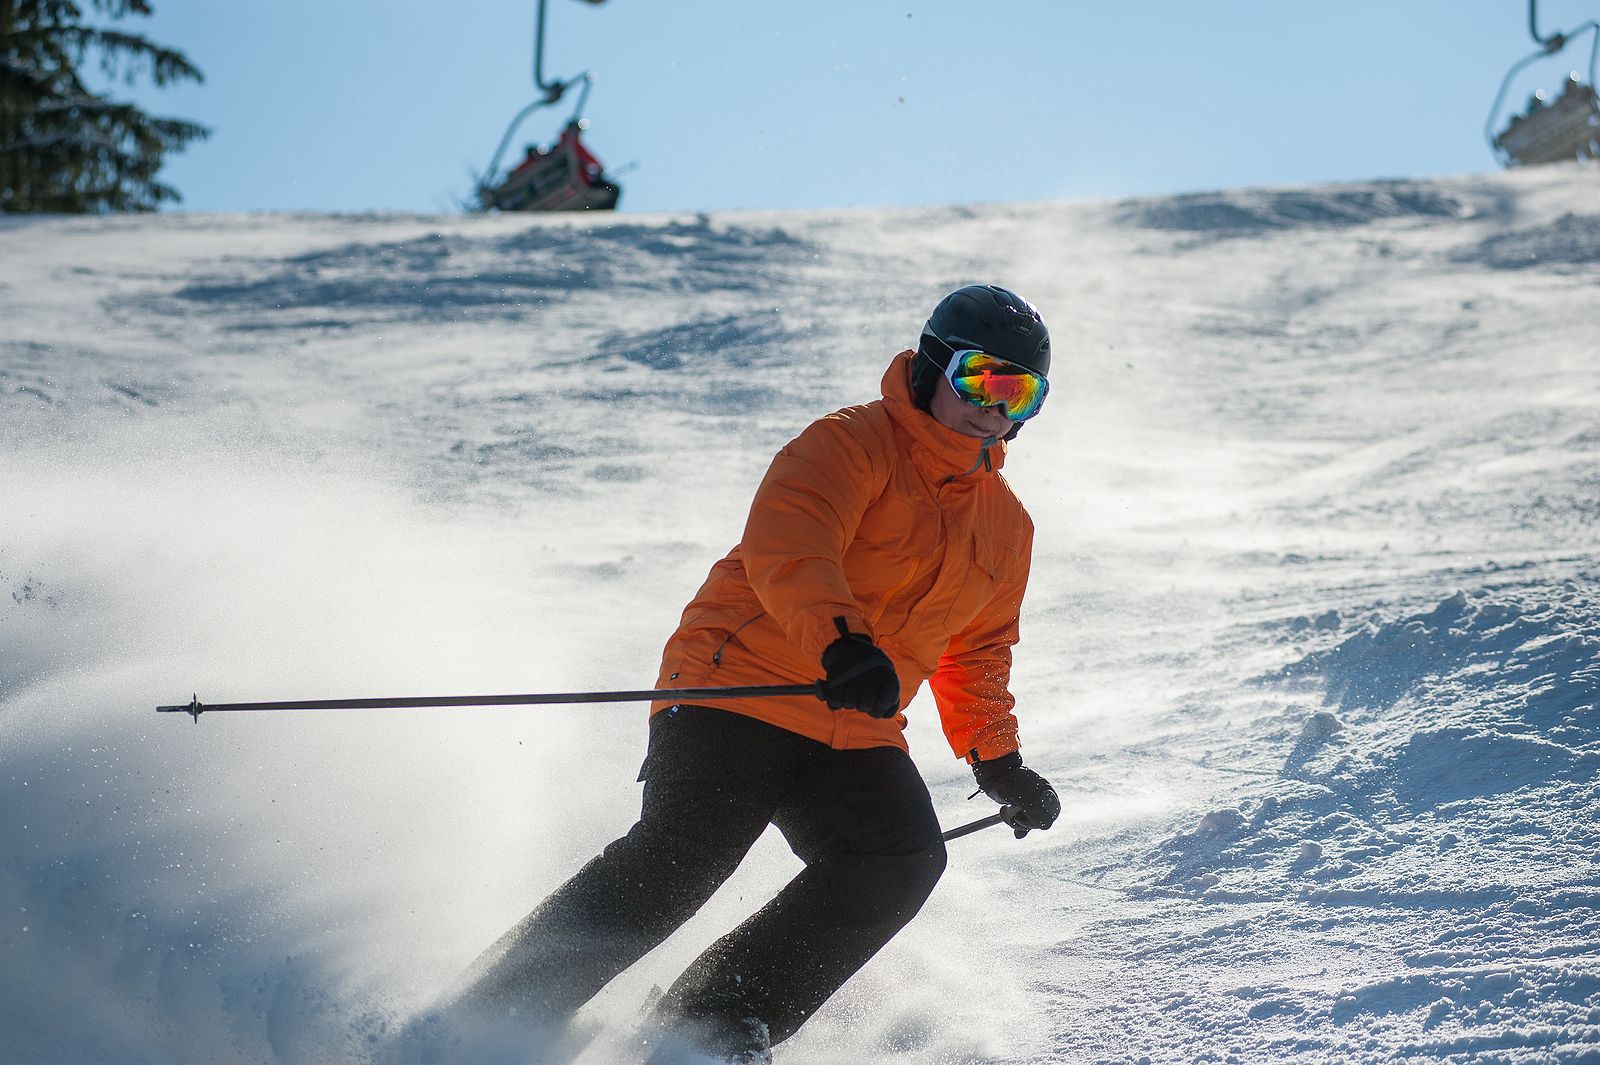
{"type": "Point", "coordinates": [1311, 648]}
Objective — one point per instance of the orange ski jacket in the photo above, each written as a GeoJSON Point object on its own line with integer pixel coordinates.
{"type": "Point", "coordinates": [882, 516]}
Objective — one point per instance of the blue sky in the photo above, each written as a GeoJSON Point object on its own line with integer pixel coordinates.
{"type": "Point", "coordinates": [717, 104]}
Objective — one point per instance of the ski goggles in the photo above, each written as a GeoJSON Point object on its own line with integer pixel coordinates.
{"type": "Point", "coordinates": [985, 380]}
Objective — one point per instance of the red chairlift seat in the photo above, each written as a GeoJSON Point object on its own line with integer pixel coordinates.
{"type": "Point", "coordinates": [565, 177]}
{"type": "Point", "coordinates": [1555, 132]}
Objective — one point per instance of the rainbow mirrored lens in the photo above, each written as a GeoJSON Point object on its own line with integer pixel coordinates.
{"type": "Point", "coordinates": [985, 380]}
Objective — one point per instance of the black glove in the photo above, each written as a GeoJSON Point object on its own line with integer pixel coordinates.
{"type": "Point", "coordinates": [860, 676]}
{"type": "Point", "coordinates": [1034, 803]}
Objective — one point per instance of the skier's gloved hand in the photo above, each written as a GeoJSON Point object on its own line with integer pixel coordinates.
{"type": "Point", "coordinates": [1034, 803]}
{"type": "Point", "coordinates": [860, 675]}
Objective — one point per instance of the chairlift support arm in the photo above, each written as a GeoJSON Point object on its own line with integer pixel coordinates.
{"type": "Point", "coordinates": [551, 89]}
{"type": "Point", "coordinates": [1554, 43]}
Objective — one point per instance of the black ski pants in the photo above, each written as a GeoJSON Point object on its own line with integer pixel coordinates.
{"type": "Point", "coordinates": [861, 820]}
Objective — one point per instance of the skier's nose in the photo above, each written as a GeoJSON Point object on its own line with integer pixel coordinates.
{"type": "Point", "coordinates": [996, 418]}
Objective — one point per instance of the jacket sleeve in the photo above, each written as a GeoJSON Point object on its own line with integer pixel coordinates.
{"type": "Point", "coordinates": [804, 516]}
{"type": "Point", "coordinates": [972, 683]}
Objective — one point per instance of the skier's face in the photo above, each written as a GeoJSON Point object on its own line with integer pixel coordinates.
{"type": "Point", "coordinates": [953, 412]}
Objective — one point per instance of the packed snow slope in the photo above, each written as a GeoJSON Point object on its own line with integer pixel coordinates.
{"type": "Point", "coordinates": [1311, 650]}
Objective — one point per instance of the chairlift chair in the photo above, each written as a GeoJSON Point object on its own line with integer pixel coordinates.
{"type": "Point", "coordinates": [566, 176]}
{"type": "Point", "coordinates": [1548, 131]}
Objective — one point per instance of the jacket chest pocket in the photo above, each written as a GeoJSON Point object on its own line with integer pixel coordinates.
{"type": "Point", "coordinates": [991, 566]}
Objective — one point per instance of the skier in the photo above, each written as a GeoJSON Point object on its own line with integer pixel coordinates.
{"type": "Point", "coordinates": [883, 546]}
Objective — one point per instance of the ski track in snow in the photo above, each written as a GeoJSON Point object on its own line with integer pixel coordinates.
{"type": "Point", "coordinates": [1311, 649]}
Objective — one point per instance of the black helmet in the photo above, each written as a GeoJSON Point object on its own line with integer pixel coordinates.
{"type": "Point", "coordinates": [985, 317]}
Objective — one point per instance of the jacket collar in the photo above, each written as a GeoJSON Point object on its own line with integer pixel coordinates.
{"type": "Point", "coordinates": [943, 454]}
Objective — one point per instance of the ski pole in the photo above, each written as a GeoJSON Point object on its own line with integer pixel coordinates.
{"type": "Point", "coordinates": [194, 708]}
{"type": "Point", "coordinates": [1001, 818]}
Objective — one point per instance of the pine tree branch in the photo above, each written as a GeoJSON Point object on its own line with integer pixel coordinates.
{"type": "Point", "coordinates": [125, 53]}
{"type": "Point", "coordinates": [119, 8]}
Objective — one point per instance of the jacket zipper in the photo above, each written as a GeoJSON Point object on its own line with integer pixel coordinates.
{"type": "Point", "coordinates": [889, 596]}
